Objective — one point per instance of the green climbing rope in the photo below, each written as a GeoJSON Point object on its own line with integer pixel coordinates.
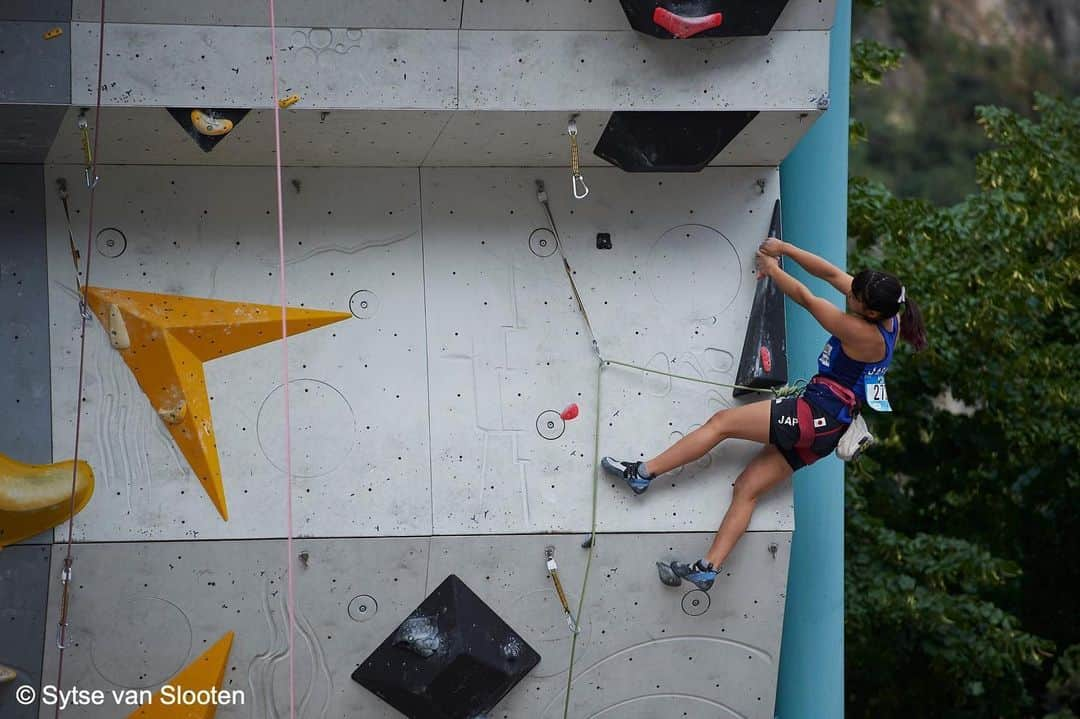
{"type": "Point", "coordinates": [788, 390]}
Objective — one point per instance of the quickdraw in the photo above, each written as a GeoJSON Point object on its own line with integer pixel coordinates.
{"type": "Point", "coordinates": [88, 154]}
{"type": "Point", "coordinates": [553, 571]}
{"type": "Point", "coordinates": [577, 182]}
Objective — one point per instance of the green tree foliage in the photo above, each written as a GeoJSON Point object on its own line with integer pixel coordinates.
{"type": "Point", "coordinates": [932, 613]}
{"type": "Point", "coordinates": [922, 143]}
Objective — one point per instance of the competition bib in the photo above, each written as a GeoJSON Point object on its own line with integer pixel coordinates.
{"type": "Point", "coordinates": [876, 395]}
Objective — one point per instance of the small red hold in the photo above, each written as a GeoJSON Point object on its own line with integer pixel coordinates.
{"type": "Point", "coordinates": [684, 27]}
{"type": "Point", "coordinates": [766, 359]}
{"type": "Point", "coordinates": [571, 412]}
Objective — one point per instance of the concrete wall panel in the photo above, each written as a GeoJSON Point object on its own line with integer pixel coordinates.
{"type": "Point", "coordinates": [150, 136]}
{"type": "Point", "coordinates": [24, 595]}
{"type": "Point", "coordinates": [26, 429]}
{"type": "Point", "coordinates": [200, 66]}
{"type": "Point", "coordinates": [43, 10]}
{"type": "Point", "coordinates": [144, 610]}
{"type": "Point", "coordinates": [575, 15]}
{"type": "Point", "coordinates": [35, 70]}
{"type": "Point", "coordinates": [392, 138]}
{"type": "Point", "coordinates": [508, 347]}
{"type": "Point", "coordinates": [625, 70]}
{"type": "Point", "coordinates": [29, 132]}
{"type": "Point", "coordinates": [355, 392]}
{"type": "Point", "coordinates": [504, 344]}
{"type": "Point", "coordinates": [425, 14]}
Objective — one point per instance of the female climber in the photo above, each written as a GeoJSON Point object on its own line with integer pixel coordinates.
{"type": "Point", "coordinates": [796, 431]}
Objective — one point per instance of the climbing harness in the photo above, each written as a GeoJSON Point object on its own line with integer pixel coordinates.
{"type": "Point", "coordinates": [90, 153]}
{"type": "Point", "coordinates": [576, 180]}
{"type": "Point", "coordinates": [553, 572]}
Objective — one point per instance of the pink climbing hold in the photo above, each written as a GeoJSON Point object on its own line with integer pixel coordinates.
{"type": "Point", "coordinates": [570, 412]}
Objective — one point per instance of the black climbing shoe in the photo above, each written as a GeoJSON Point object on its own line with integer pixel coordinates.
{"type": "Point", "coordinates": [700, 573]}
{"type": "Point", "coordinates": [627, 472]}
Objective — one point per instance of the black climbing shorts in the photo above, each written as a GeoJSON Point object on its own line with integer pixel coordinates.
{"type": "Point", "coordinates": [802, 431]}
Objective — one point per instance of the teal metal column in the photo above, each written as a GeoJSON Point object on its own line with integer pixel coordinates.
{"type": "Point", "coordinates": [813, 188]}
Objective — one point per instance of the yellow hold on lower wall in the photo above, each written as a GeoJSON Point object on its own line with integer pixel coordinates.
{"type": "Point", "coordinates": [191, 694]}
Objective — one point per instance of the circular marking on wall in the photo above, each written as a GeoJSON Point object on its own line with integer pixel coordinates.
{"type": "Point", "coordinates": [539, 616]}
{"type": "Point", "coordinates": [110, 242]}
{"type": "Point", "coordinates": [320, 37]}
{"type": "Point", "coordinates": [323, 427]}
{"type": "Point", "coordinates": [141, 642]}
{"type": "Point", "coordinates": [694, 270]}
{"type": "Point", "coordinates": [719, 360]}
{"type": "Point", "coordinates": [550, 424]}
{"type": "Point", "coordinates": [362, 607]}
{"type": "Point", "coordinates": [363, 304]}
{"type": "Point", "coordinates": [542, 242]}
{"type": "Point", "coordinates": [696, 602]}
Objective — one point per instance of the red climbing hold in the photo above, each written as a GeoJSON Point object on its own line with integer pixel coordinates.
{"type": "Point", "coordinates": [684, 27]}
{"type": "Point", "coordinates": [766, 359]}
{"type": "Point", "coordinates": [570, 412]}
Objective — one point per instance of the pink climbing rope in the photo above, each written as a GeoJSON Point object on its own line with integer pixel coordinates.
{"type": "Point", "coordinates": [284, 366]}
{"type": "Point", "coordinates": [61, 630]}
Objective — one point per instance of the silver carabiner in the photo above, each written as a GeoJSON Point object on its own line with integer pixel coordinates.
{"type": "Point", "coordinates": [574, 182]}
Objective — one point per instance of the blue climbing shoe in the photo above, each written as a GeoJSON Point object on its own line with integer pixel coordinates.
{"type": "Point", "coordinates": [700, 573]}
{"type": "Point", "coordinates": [627, 472]}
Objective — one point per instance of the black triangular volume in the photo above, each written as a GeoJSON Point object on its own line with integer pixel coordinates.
{"type": "Point", "coordinates": [739, 17]}
{"type": "Point", "coordinates": [452, 658]}
{"type": "Point", "coordinates": [183, 116]}
{"type": "Point", "coordinates": [657, 141]}
{"type": "Point", "coordinates": [764, 363]}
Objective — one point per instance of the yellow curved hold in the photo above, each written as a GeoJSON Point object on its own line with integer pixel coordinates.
{"type": "Point", "coordinates": [7, 674]}
{"type": "Point", "coordinates": [207, 124]}
{"type": "Point", "coordinates": [288, 101]}
{"type": "Point", "coordinates": [204, 675]}
{"type": "Point", "coordinates": [170, 337]}
{"type": "Point", "coordinates": [53, 34]}
{"type": "Point", "coordinates": [36, 497]}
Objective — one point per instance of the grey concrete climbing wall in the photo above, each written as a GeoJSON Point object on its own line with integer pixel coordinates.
{"type": "Point", "coordinates": [148, 609]}
{"type": "Point", "coordinates": [24, 592]}
{"type": "Point", "coordinates": [450, 273]}
{"type": "Point", "coordinates": [35, 52]}
{"type": "Point", "coordinates": [25, 397]}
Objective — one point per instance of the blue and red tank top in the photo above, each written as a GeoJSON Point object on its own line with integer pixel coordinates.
{"type": "Point", "coordinates": [835, 365]}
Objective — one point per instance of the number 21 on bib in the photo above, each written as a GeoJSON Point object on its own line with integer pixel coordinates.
{"type": "Point", "coordinates": [876, 395]}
